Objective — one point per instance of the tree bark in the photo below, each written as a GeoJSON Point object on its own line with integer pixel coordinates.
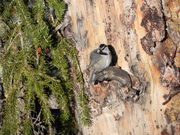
{"type": "Point", "coordinates": [145, 35]}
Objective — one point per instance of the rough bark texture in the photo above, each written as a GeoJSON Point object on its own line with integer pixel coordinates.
{"type": "Point", "coordinates": [145, 35]}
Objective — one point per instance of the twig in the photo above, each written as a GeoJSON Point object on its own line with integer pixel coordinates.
{"type": "Point", "coordinates": [11, 41]}
{"type": "Point", "coordinates": [37, 58]}
{"type": "Point", "coordinates": [37, 117]}
{"type": "Point", "coordinates": [21, 39]}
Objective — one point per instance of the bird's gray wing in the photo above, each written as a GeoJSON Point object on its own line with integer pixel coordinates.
{"type": "Point", "coordinates": [91, 77]}
{"type": "Point", "coordinates": [94, 58]}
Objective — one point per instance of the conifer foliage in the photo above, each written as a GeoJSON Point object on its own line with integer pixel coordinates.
{"type": "Point", "coordinates": [39, 64]}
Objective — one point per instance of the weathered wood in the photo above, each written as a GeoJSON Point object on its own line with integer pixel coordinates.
{"type": "Point", "coordinates": [146, 37]}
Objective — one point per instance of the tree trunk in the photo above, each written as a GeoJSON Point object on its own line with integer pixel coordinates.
{"type": "Point", "coordinates": [145, 35]}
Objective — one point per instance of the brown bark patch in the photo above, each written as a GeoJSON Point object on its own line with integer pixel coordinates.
{"type": "Point", "coordinates": [164, 56]}
{"type": "Point", "coordinates": [99, 92]}
{"type": "Point", "coordinates": [164, 132]}
{"type": "Point", "coordinates": [177, 58]}
{"type": "Point", "coordinates": [173, 112]}
{"type": "Point", "coordinates": [154, 26]}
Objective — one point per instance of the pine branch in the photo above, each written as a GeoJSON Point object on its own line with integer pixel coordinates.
{"type": "Point", "coordinates": [27, 67]}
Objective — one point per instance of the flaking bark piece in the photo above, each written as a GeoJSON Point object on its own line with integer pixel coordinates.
{"type": "Point", "coordinates": [118, 74]}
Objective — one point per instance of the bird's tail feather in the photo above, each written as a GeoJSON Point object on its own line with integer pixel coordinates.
{"type": "Point", "coordinates": [91, 77]}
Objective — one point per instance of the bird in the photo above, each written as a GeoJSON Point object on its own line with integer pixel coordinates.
{"type": "Point", "coordinates": [100, 59]}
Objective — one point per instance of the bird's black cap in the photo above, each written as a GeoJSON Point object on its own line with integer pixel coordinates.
{"type": "Point", "coordinates": [102, 45]}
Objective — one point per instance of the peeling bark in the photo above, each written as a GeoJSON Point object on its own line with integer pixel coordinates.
{"type": "Point", "coordinates": [145, 35]}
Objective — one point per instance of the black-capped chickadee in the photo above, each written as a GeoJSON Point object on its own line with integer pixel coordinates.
{"type": "Point", "coordinates": [99, 60]}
